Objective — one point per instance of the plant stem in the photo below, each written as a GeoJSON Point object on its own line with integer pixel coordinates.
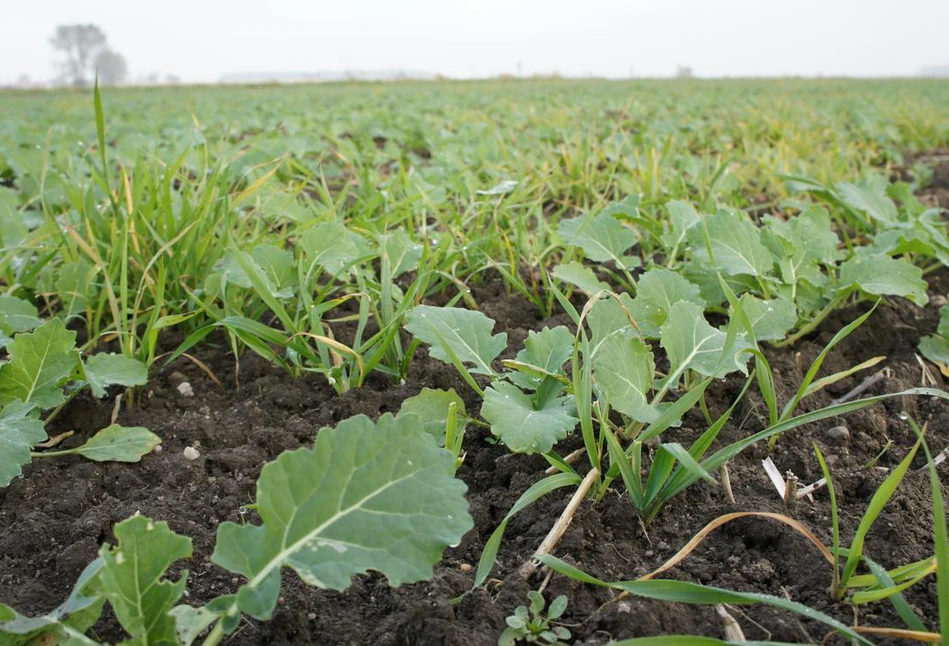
{"type": "Point", "coordinates": [813, 323]}
{"type": "Point", "coordinates": [560, 527]}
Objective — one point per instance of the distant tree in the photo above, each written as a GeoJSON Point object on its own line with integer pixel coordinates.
{"type": "Point", "coordinates": [111, 67]}
{"type": "Point", "coordinates": [85, 48]}
{"type": "Point", "coordinates": [683, 72]}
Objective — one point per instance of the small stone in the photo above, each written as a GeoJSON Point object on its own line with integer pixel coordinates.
{"type": "Point", "coordinates": [158, 448]}
{"type": "Point", "coordinates": [185, 389]}
{"type": "Point", "coordinates": [311, 616]}
{"type": "Point", "coordinates": [662, 546]}
{"type": "Point", "coordinates": [623, 608]}
{"type": "Point", "coordinates": [191, 453]}
{"type": "Point", "coordinates": [649, 554]}
{"type": "Point", "coordinates": [466, 568]}
{"type": "Point", "coordinates": [838, 434]}
{"type": "Point", "coordinates": [177, 377]}
{"type": "Point", "coordinates": [832, 460]}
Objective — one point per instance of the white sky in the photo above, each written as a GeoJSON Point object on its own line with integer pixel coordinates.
{"type": "Point", "coordinates": [199, 40]}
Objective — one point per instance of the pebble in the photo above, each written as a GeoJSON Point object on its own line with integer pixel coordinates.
{"type": "Point", "coordinates": [662, 546]}
{"type": "Point", "coordinates": [185, 389]}
{"type": "Point", "coordinates": [465, 568]}
{"type": "Point", "coordinates": [191, 453]}
{"type": "Point", "coordinates": [838, 433]}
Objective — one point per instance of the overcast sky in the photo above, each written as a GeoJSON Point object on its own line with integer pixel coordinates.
{"type": "Point", "coordinates": [200, 40]}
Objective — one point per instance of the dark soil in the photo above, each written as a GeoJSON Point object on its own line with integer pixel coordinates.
{"type": "Point", "coordinates": [55, 517]}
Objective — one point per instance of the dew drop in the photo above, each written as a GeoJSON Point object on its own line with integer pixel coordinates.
{"type": "Point", "coordinates": [904, 415]}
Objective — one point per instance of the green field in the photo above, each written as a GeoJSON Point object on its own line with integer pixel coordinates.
{"type": "Point", "coordinates": [669, 248]}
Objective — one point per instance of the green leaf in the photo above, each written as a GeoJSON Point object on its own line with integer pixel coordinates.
{"type": "Point", "coordinates": [246, 271]}
{"type": "Point", "coordinates": [547, 350]}
{"type": "Point", "coordinates": [40, 362]}
{"type": "Point", "coordinates": [17, 315]}
{"type": "Point", "coordinates": [18, 434]}
{"type": "Point", "coordinates": [624, 369]}
{"type": "Point", "coordinates": [75, 286]}
{"type": "Point", "coordinates": [692, 344]}
{"type": "Point", "coordinates": [682, 217]}
{"type": "Point", "coordinates": [402, 252]}
{"type": "Point", "coordinates": [657, 291]}
{"type": "Point", "coordinates": [601, 237]}
{"type": "Point", "coordinates": [377, 496]}
{"type": "Point", "coordinates": [521, 427]}
{"type": "Point", "coordinates": [803, 244]}
{"type": "Point", "coordinates": [935, 347]}
{"type": "Point", "coordinates": [117, 443]}
{"type": "Point", "coordinates": [190, 622]}
{"type": "Point", "coordinates": [608, 316]}
{"type": "Point", "coordinates": [68, 622]}
{"type": "Point", "coordinates": [687, 592]}
{"type": "Point", "coordinates": [431, 408]}
{"type": "Point", "coordinates": [579, 276]}
{"type": "Point", "coordinates": [870, 197]}
{"type": "Point", "coordinates": [332, 246]}
{"type": "Point", "coordinates": [731, 244]}
{"type": "Point", "coordinates": [770, 320]}
{"type": "Point", "coordinates": [279, 266]}
{"type": "Point", "coordinates": [132, 578]}
{"type": "Point", "coordinates": [104, 370]}
{"type": "Point", "coordinates": [452, 331]}
{"type": "Point", "coordinates": [534, 492]}
{"type": "Point", "coordinates": [884, 276]}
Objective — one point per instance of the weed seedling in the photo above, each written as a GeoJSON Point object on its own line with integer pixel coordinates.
{"type": "Point", "coordinates": [531, 625]}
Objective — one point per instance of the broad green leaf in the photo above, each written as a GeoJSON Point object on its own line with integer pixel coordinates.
{"type": "Point", "coordinates": [769, 319]}
{"type": "Point", "coordinates": [236, 264]}
{"type": "Point", "coordinates": [332, 246]}
{"type": "Point", "coordinates": [17, 315]}
{"type": "Point", "coordinates": [104, 370]}
{"type": "Point", "coordinates": [682, 217]}
{"type": "Point", "coordinates": [68, 622]}
{"type": "Point", "coordinates": [657, 291]}
{"type": "Point", "coordinates": [884, 276]}
{"type": "Point", "coordinates": [706, 277]}
{"type": "Point", "coordinates": [802, 244]}
{"type": "Point", "coordinates": [547, 350]}
{"type": "Point", "coordinates": [132, 578]}
{"type": "Point", "coordinates": [935, 347]}
{"type": "Point", "coordinates": [18, 434]}
{"type": "Point", "coordinates": [521, 427]}
{"type": "Point", "coordinates": [377, 496]}
{"type": "Point", "coordinates": [601, 237]}
{"type": "Point", "coordinates": [117, 443]}
{"type": "Point", "coordinates": [40, 362]}
{"type": "Point", "coordinates": [624, 369]}
{"type": "Point", "coordinates": [402, 252]}
{"type": "Point", "coordinates": [692, 344]}
{"type": "Point", "coordinates": [870, 197]}
{"type": "Point", "coordinates": [190, 622]}
{"type": "Point", "coordinates": [75, 286]}
{"type": "Point", "coordinates": [579, 276]}
{"type": "Point", "coordinates": [431, 407]}
{"type": "Point", "coordinates": [731, 244]}
{"type": "Point", "coordinates": [501, 188]}
{"type": "Point", "coordinates": [608, 316]}
{"type": "Point", "coordinates": [279, 266]}
{"type": "Point", "coordinates": [452, 331]}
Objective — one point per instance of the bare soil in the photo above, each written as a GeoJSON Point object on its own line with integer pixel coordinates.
{"type": "Point", "coordinates": [55, 517]}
